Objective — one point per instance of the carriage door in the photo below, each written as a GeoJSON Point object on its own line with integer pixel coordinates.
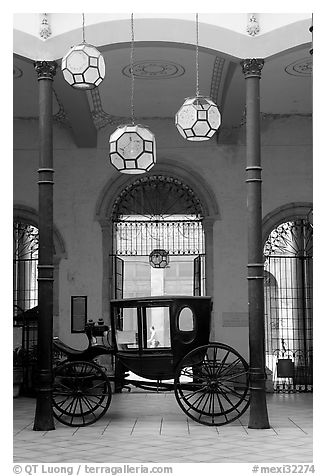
{"type": "Point", "coordinates": [288, 305]}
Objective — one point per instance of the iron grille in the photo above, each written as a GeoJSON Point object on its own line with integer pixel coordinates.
{"type": "Point", "coordinates": [139, 238]}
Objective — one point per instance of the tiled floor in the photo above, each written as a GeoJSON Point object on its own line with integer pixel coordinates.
{"type": "Point", "coordinates": [150, 427]}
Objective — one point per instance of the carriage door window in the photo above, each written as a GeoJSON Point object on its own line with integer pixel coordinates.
{"type": "Point", "coordinates": [157, 325]}
{"type": "Point", "coordinates": [158, 212]}
{"type": "Point", "coordinates": [126, 325]}
{"type": "Point", "coordinates": [186, 320]}
{"type": "Point", "coordinates": [288, 305]}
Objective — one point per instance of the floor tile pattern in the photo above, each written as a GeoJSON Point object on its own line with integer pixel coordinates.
{"type": "Point", "coordinates": [144, 427]}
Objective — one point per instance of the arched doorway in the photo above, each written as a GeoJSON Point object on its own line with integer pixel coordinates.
{"type": "Point", "coordinates": [288, 253]}
{"type": "Point", "coordinates": [158, 212]}
{"type": "Point", "coordinates": [105, 213]}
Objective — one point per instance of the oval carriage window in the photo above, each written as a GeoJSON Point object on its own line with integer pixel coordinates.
{"type": "Point", "coordinates": [186, 320]}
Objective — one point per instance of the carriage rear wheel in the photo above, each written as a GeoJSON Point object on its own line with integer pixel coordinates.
{"type": "Point", "coordinates": [211, 384]}
{"type": "Point", "coordinates": [81, 393]}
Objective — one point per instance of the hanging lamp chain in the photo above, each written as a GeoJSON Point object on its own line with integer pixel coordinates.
{"type": "Point", "coordinates": [83, 27]}
{"type": "Point", "coordinates": [132, 70]}
{"type": "Point", "coordinates": [197, 62]}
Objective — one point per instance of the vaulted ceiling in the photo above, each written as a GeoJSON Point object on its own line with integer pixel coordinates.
{"type": "Point", "coordinates": [165, 74]}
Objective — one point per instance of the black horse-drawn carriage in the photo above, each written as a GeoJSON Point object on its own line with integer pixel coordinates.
{"type": "Point", "coordinates": [210, 380]}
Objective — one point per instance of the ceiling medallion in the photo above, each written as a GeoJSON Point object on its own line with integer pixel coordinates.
{"type": "Point", "coordinates": [302, 67]}
{"type": "Point", "coordinates": [17, 72]}
{"type": "Point", "coordinates": [153, 69]}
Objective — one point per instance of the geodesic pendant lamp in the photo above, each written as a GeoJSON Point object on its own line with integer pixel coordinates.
{"type": "Point", "coordinates": [132, 146]}
{"type": "Point", "coordinates": [83, 66]}
{"type": "Point", "coordinates": [198, 118]}
{"type": "Point", "coordinates": [159, 258]}
{"type": "Point", "coordinates": [132, 149]}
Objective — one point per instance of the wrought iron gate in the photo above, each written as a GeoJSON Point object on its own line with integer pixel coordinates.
{"type": "Point", "coordinates": [288, 305]}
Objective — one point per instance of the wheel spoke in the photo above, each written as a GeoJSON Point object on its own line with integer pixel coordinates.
{"type": "Point", "coordinates": [207, 367]}
{"type": "Point", "coordinates": [191, 374]}
{"type": "Point", "coordinates": [230, 367]}
{"type": "Point", "coordinates": [229, 379]}
{"type": "Point", "coordinates": [61, 405]}
{"type": "Point", "coordinates": [81, 410]}
{"type": "Point", "coordinates": [224, 413]}
{"type": "Point", "coordinates": [203, 408]}
{"type": "Point", "coordinates": [98, 385]}
{"type": "Point", "coordinates": [62, 402]}
{"type": "Point", "coordinates": [231, 390]}
{"type": "Point", "coordinates": [88, 405]}
{"type": "Point", "coordinates": [233, 406]}
{"type": "Point", "coordinates": [211, 406]}
{"type": "Point", "coordinates": [70, 405]}
{"type": "Point", "coordinates": [201, 397]}
{"type": "Point", "coordinates": [74, 410]}
{"type": "Point", "coordinates": [223, 362]}
{"type": "Point", "coordinates": [96, 404]}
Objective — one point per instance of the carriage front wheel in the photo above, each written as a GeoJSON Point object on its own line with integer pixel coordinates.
{"type": "Point", "coordinates": [81, 393]}
{"type": "Point", "coordinates": [211, 384]}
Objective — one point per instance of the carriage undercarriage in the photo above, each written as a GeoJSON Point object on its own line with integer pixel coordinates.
{"type": "Point", "coordinates": [211, 386]}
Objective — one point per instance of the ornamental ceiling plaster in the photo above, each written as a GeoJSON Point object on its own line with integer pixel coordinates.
{"type": "Point", "coordinates": [226, 33]}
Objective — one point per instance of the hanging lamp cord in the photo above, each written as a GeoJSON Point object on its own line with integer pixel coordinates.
{"type": "Point", "coordinates": [197, 62]}
{"type": "Point", "coordinates": [83, 27]}
{"type": "Point", "coordinates": [132, 70]}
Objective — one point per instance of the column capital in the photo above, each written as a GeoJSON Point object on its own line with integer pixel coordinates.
{"type": "Point", "coordinates": [251, 67]}
{"type": "Point", "coordinates": [45, 69]}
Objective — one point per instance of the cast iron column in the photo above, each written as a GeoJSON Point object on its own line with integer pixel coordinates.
{"type": "Point", "coordinates": [258, 410]}
{"type": "Point", "coordinates": [43, 415]}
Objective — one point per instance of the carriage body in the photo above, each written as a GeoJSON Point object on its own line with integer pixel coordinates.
{"type": "Point", "coordinates": [210, 380]}
{"type": "Point", "coordinates": [182, 323]}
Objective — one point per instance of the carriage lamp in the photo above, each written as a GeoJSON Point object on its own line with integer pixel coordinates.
{"type": "Point", "coordinates": [159, 258]}
{"type": "Point", "coordinates": [198, 118]}
{"type": "Point", "coordinates": [132, 146]}
{"type": "Point", "coordinates": [132, 149]}
{"type": "Point", "coordinates": [83, 66]}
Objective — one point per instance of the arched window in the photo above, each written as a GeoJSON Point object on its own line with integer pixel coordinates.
{"type": "Point", "coordinates": [158, 212]}
{"type": "Point", "coordinates": [288, 302]}
{"type": "Point", "coordinates": [25, 261]}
